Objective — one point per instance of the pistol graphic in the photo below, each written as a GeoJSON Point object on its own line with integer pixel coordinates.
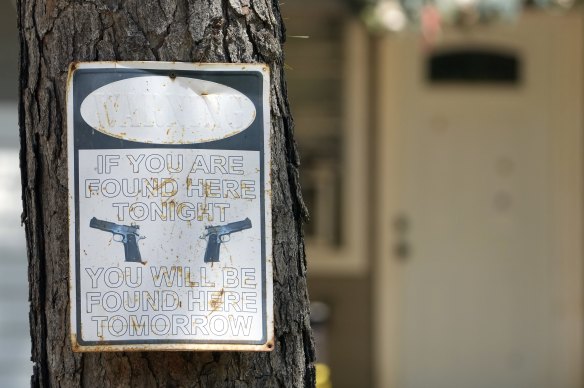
{"type": "Point", "coordinates": [219, 234]}
{"type": "Point", "coordinates": [128, 235]}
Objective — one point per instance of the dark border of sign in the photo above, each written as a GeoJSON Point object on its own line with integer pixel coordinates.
{"type": "Point", "coordinates": [243, 141]}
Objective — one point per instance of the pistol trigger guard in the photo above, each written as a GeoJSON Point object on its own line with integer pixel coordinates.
{"type": "Point", "coordinates": [225, 238]}
{"type": "Point", "coordinates": [119, 238]}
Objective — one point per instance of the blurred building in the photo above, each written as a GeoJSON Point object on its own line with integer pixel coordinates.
{"type": "Point", "coordinates": [442, 166]}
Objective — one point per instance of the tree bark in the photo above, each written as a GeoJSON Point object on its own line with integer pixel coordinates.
{"type": "Point", "coordinates": [54, 33]}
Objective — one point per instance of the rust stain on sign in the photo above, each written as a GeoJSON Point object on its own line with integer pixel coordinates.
{"type": "Point", "coordinates": [216, 301]}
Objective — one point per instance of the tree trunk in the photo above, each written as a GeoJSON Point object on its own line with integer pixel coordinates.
{"type": "Point", "coordinates": [54, 33]}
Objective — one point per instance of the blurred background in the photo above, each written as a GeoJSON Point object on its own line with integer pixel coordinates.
{"type": "Point", "coordinates": [15, 364]}
{"type": "Point", "coordinates": [442, 163]}
{"type": "Point", "coordinates": [441, 145]}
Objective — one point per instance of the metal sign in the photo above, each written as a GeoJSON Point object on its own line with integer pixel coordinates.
{"type": "Point", "coordinates": [169, 206]}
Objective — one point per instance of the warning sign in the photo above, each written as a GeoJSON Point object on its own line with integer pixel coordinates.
{"type": "Point", "coordinates": [170, 213]}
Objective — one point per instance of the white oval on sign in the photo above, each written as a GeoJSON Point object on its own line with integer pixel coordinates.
{"type": "Point", "coordinates": [164, 110]}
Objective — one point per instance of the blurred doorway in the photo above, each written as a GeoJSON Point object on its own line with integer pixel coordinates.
{"type": "Point", "coordinates": [480, 171]}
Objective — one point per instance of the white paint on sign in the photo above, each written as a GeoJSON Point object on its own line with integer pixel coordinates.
{"type": "Point", "coordinates": [171, 292]}
{"type": "Point", "coordinates": [162, 110]}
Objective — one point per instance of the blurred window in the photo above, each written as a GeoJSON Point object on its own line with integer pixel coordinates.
{"type": "Point", "coordinates": [327, 59]}
{"type": "Point", "coordinates": [315, 53]}
{"type": "Point", "coordinates": [474, 66]}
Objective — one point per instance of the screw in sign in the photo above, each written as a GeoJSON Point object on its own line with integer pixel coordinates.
{"type": "Point", "coordinates": [169, 206]}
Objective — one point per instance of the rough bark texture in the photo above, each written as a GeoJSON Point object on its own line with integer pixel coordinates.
{"type": "Point", "coordinates": [54, 33]}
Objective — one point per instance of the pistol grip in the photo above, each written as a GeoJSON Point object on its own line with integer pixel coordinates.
{"type": "Point", "coordinates": [213, 247]}
{"type": "Point", "coordinates": [131, 249]}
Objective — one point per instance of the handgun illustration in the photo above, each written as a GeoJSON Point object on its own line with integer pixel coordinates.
{"type": "Point", "coordinates": [219, 234]}
{"type": "Point", "coordinates": [128, 235]}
